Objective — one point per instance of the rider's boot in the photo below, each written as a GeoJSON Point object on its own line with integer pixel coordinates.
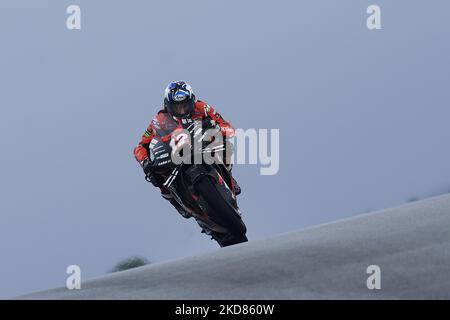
{"type": "Point", "coordinates": [237, 188]}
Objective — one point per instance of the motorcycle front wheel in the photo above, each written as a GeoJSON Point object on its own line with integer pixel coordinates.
{"type": "Point", "coordinates": [221, 212]}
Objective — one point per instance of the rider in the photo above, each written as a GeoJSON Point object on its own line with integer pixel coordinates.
{"type": "Point", "coordinates": [180, 103]}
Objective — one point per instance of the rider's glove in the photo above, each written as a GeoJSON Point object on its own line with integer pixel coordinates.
{"type": "Point", "coordinates": [147, 166]}
{"type": "Point", "coordinates": [150, 176]}
{"type": "Point", "coordinates": [208, 123]}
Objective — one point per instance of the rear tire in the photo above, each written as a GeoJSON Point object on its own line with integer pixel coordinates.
{"type": "Point", "coordinates": [222, 212]}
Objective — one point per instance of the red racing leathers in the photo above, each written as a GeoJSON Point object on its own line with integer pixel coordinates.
{"type": "Point", "coordinates": [201, 111]}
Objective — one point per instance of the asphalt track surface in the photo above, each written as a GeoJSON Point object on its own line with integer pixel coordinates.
{"type": "Point", "coordinates": [410, 244]}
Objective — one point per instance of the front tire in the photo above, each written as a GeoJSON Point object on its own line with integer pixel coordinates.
{"type": "Point", "coordinates": [221, 211]}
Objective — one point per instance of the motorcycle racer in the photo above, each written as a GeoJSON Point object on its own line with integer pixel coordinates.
{"type": "Point", "coordinates": [180, 103]}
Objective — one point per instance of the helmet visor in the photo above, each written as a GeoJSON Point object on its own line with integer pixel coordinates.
{"type": "Point", "coordinates": [181, 109]}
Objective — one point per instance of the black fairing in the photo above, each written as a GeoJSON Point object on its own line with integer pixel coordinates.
{"type": "Point", "coordinates": [182, 180]}
{"type": "Point", "coordinates": [160, 155]}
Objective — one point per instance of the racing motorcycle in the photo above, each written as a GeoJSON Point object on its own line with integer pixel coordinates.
{"type": "Point", "coordinates": [204, 190]}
